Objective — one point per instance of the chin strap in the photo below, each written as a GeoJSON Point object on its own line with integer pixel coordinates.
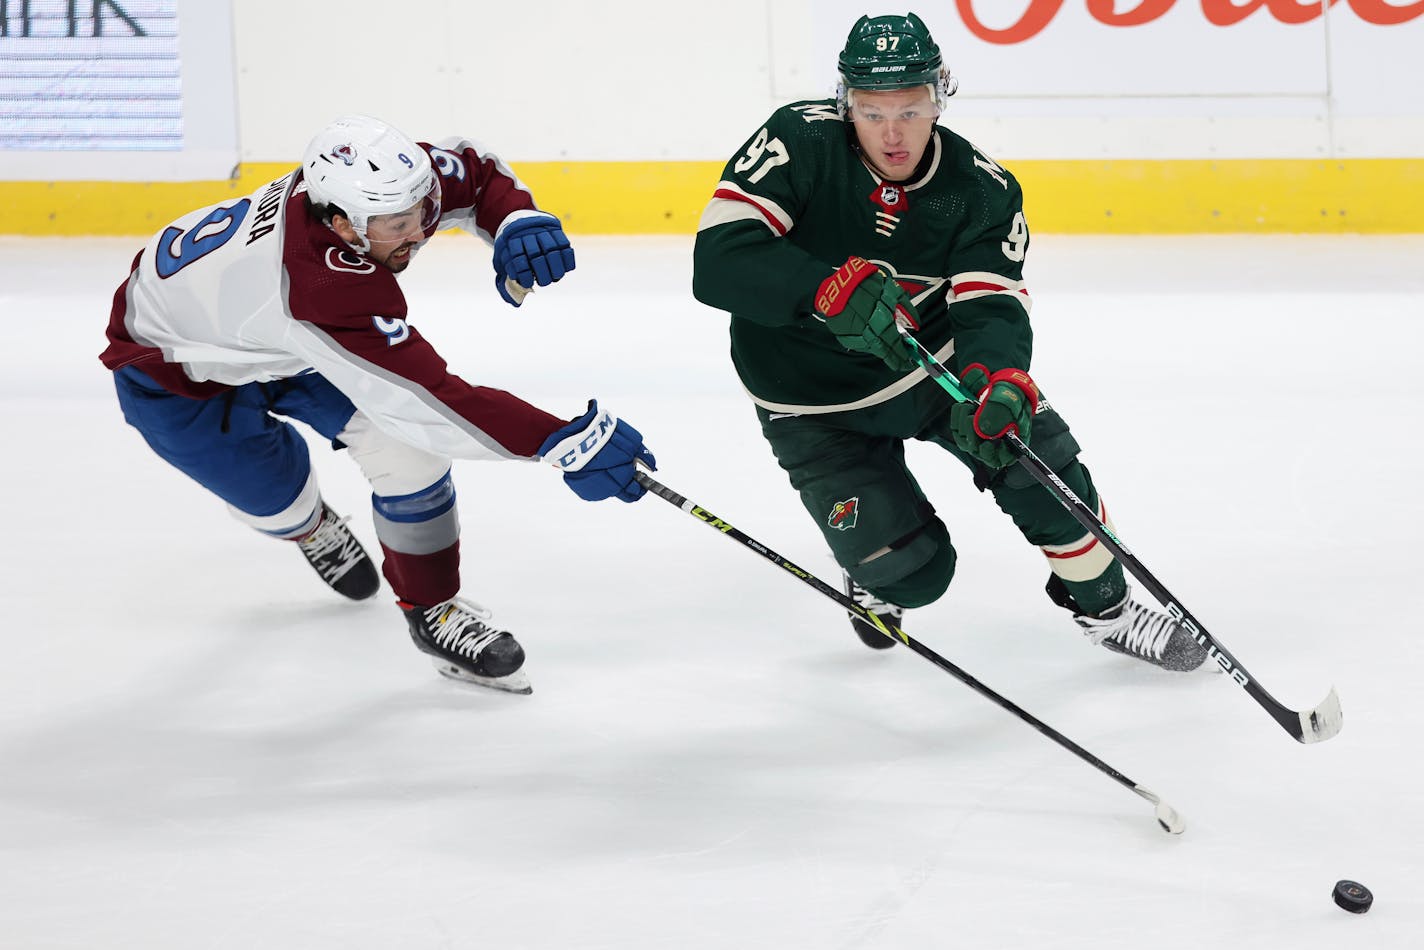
{"type": "Point", "coordinates": [364, 247]}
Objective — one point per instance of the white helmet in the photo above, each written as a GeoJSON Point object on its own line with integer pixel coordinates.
{"type": "Point", "coordinates": [361, 167]}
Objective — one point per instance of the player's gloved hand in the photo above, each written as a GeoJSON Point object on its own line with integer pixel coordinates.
{"type": "Point", "coordinates": [531, 248]}
{"type": "Point", "coordinates": [861, 305]}
{"type": "Point", "coordinates": [596, 453]}
{"type": "Point", "coordinates": [1007, 401]}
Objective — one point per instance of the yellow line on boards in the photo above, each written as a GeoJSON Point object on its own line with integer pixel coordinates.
{"type": "Point", "coordinates": [1219, 197]}
{"type": "Point", "coordinates": [1068, 197]}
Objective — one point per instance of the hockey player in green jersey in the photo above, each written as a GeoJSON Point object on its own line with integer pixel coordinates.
{"type": "Point", "coordinates": [839, 219]}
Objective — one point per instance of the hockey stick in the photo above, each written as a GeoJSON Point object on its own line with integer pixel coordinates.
{"type": "Point", "coordinates": [1167, 816]}
{"type": "Point", "coordinates": [1314, 725]}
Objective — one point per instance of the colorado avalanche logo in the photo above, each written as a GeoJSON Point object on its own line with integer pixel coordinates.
{"type": "Point", "coordinates": [345, 152]}
{"type": "Point", "coordinates": [844, 514]}
{"type": "Point", "coordinates": [348, 262]}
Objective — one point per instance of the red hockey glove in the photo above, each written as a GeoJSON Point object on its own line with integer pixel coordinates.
{"type": "Point", "coordinates": [861, 305]}
{"type": "Point", "coordinates": [1006, 403]}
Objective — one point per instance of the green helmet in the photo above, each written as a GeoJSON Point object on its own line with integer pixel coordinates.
{"type": "Point", "coordinates": [893, 52]}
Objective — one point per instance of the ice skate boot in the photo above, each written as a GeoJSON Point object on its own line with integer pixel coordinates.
{"type": "Point", "coordinates": [887, 613]}
{"type": "Point", "coordinates": [1137, 631]}
{"type": "Point", "coordinates": [465, 647]}
{"type": "Point", "coordinates": [338, 558]}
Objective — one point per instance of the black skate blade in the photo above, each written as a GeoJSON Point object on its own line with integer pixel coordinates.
{"type": "Point", "coordinates": [515, 682]}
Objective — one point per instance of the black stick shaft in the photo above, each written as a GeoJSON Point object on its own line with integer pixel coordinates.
{"type": "Point", "coordinates": [1316, 725]}
{"type": "Point", "coordinates": [890, 630]}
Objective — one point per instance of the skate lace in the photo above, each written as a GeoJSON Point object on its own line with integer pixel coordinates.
{"type": "Point", "coordinates": [332, 547]}
{"type": "Point", "coordinates": [1145, 632]}
{"type": "Point", "coordinates": [874, 604]}
{"type": "Point", "coordinates": [459, 625]}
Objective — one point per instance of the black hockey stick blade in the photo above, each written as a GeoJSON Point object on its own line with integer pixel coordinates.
{"type": "Point", "coordinates": [1313, 725]}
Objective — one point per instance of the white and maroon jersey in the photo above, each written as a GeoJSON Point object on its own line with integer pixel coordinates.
{"type": "Point", "coordinates": [259, 289]}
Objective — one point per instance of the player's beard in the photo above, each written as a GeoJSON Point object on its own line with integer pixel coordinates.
{"type": "Point", "coordinates": [401, 257]}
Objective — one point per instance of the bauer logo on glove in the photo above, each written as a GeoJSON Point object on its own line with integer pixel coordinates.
{"type": "Point", "coordinates": [850, 274]}
{"type": "Point", "coordinates": [862, 306]}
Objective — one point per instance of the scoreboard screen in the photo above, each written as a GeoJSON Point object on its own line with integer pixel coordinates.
{"type": "Point", "coordinates": [116, 89]}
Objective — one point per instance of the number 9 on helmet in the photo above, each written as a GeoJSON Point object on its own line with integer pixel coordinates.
{"type": "Point", "coordinates": [360, 167]}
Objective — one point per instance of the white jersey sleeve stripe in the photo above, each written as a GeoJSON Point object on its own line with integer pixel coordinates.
{"type": "Point", "coordinates": [406, 409]}
{"type": "Point", "coordinates": [971, 284]}
{"type": "Point", "coordinates": [731, 203]}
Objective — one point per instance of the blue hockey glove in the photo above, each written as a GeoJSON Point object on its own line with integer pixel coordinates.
{"type": "Point", "coordinates": [596, 453]}
{"type": "Point", "coordinates": [531, 249]}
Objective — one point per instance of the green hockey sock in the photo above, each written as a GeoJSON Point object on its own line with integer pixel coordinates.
{"type": "Point", "coordinates": [1102, 592]}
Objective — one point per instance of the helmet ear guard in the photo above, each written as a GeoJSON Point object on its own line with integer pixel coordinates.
{"type": "Point", "coordinates": [892, 52]}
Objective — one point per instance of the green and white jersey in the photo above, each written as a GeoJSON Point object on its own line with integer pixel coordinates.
{"type": "Point", "coordinates": [797, 201]}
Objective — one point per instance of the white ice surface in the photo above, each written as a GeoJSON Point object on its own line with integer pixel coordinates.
{"type": "Point", "coordinates": [200, 747]}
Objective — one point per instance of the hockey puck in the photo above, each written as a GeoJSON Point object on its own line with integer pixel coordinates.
{"type": "Point", "coordinates": [1353, 896]}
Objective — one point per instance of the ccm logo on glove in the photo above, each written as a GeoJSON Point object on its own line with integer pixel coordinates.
{"type": "Point", "coordinates": [575, 451]}
{"type": "Point", "coordinates": [597, 453]}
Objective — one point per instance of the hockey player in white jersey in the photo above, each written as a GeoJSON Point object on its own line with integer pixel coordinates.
{"type": "Point", "coordinates": [285, 303]}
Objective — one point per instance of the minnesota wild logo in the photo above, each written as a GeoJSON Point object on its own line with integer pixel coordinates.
{"type": "Point", "coordinates": [844, 514]}
{"type": "Point", "coordinates": [918, 287]}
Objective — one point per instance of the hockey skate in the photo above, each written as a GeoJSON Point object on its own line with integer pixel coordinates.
{"type": "Point", "coordinates": [887, 613]}
{"type": "Point", "coordinates": [338, 558]}
{"type": "Point", "coordinates": [1137, 631]}
{"type": "Point", "coordinates": [465, 647]}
